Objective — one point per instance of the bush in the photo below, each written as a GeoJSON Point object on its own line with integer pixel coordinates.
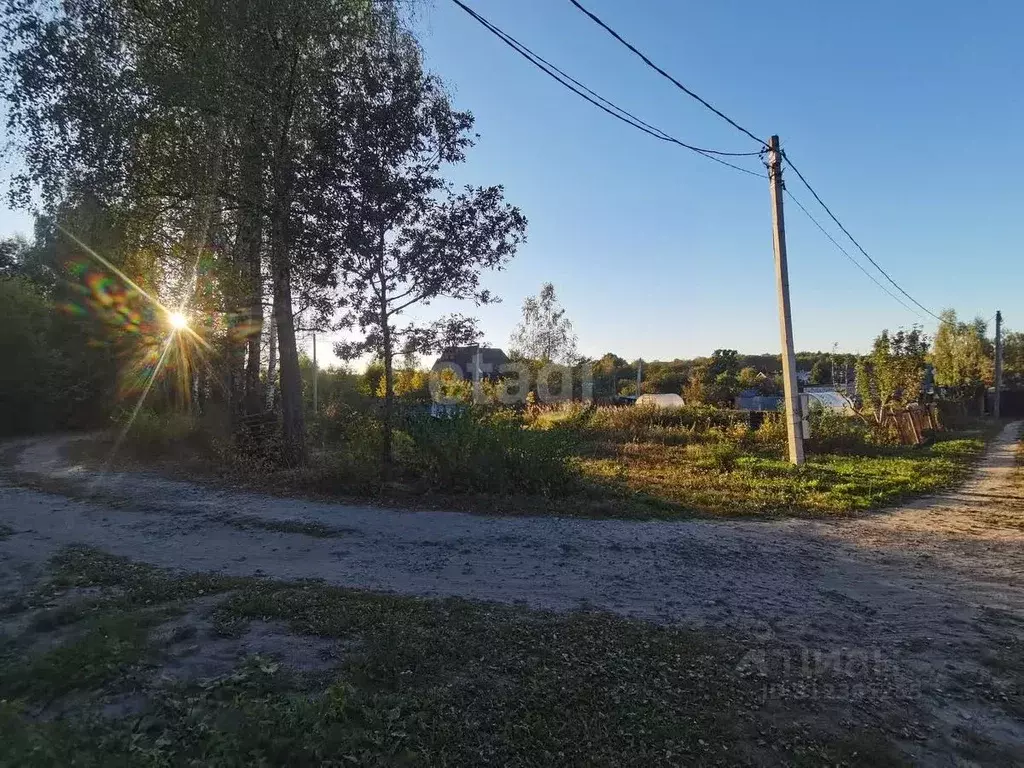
{"type": "Point", "coordinates": [646, 423]}
{"type": "Point", "coordinates": [491, 452]}
{"type": "Point", "coordinates": [151, 434]}
{"type": "Point", "coordinates": [772, 432]}
{"type": "Point", "coordinates": [834, 432]}
{"type": "Point", "coordinates": [29, 371]}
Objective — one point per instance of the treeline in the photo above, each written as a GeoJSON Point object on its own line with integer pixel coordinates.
{"type": "Point", "coordinates": [714, 379]}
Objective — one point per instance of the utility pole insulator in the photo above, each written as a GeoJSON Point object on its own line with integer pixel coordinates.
{"type": "Point", "coordinates": [794, 415]}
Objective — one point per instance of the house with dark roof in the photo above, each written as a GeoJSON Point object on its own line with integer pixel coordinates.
{"type": "Point", "coordinates": [470, 360]}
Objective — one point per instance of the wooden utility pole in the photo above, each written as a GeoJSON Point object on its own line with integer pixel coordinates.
{"type": "Point", "coordinates": [794, 417]}
{"type": "Point", "coordinates": [999, 363]}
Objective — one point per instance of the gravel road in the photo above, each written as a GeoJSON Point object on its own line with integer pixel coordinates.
{"type": "Point", "coordinates": [934, 589]}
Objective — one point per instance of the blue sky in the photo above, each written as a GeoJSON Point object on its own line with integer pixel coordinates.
{"type": "Point", "coordinates": [907, 117]}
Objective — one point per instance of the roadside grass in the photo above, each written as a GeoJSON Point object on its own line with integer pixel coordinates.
{"type": "Point", "coordinates": [418, 682]}
{"type": "Point", "coordinates": [109, 644]}
{"type": "Point", "coordinates": [676, 479]}
{"type": "Point", "coordinates": [630, 465]}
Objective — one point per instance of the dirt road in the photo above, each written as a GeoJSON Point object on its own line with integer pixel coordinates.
{"type": "Point", "coordinates": [933, 592]}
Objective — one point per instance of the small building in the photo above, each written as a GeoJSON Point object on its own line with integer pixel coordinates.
{"type": "Point", "coordinates": [661, 401]}
{"type": "Point", "coordinates": [471, 361]}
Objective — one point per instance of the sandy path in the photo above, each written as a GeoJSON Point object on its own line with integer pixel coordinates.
{"type": "Point", "coordinates": [918, 586]}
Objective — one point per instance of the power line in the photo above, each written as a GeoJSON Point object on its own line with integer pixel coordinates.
{"type": "Point", "coordinates": [629, 118]}
{"type": "Point", "coordinates": [848, 256]}
{"type": "Point", "coordinates": [853, 240]}
{"type": "Point", "coordinates": [599, 101]}
{"type": "Point", "coordinates": [597, 20]}
{"type": "Point", "coordinates": [665, 74]}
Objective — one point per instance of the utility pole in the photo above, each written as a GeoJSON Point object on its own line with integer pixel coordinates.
{"type": "Point", "coordinates": [639, 375]}
{"type": "Point", "coordinates": [794, 417]}
{"type": "Point", "coordinates": [999, 363]}
{"type": "Point", "coordinates": [832, 359]}
{"type": "Point", "coordinates": [316, 375]}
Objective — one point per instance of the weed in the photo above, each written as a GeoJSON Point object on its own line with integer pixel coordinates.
{"type": "Point", "coordinates": [492, 452]}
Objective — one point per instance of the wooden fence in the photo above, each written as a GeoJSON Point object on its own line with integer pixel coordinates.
{"type": "Point", "coordinates": [916, 423]}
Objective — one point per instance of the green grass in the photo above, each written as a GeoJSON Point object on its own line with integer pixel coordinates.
{"type": "Point", "coordinates": [418, 683]}
{"type": "Point", "coordinates": [629, 463]}
{"type": "Point", "coordinates": [109, 645]}
{"type": "Point", "coordinates": [662, 480]}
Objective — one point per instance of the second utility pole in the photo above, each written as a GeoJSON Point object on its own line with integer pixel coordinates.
{"type": "Point", "coordinates": [999, 363]}
{"type": "Point", "coordinates": [794, 418]}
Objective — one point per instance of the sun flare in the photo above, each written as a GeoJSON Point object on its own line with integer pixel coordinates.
{"type": "Point", "coordinates": [178, 321]}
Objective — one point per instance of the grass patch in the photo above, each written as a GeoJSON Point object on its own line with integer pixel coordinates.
{"type": "Point", "coordinates": [111, 644]}
{"type": "Point", "coordinates": [6, 531]}
{"type": "Point", "coordinates": [421, 683]}
{"type": "Point", "coordinates": [623, 463]}
{"type": "Point", "coordinates": [668, 479]}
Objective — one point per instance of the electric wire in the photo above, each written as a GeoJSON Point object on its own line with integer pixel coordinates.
{"type": "Point", "coordinates": [597, 20]}
{"type": "Point", "coordinates": [593, 17]}
{"type": "Point", "coordinates": [599, 101]}
{"type": "Point", "coordinates": [619, 113]}
{"type": "Point", "coordinates": [852, 239]}
{"type": "Point", "coordinates": [846, 253]}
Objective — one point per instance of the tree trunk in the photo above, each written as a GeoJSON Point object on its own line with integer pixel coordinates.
{"type": "Point", "coordinates": [292, 422]}
{"type": "Point", "coordinates": [389, 395]}
{"type": "Point", "coordinates": [249, 245]}
{"type": "Point", "coordinates": [272, 355]}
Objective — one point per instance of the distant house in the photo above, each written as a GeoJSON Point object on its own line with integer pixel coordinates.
{"type": "Point", "coordinates": [661, 401]}
{"type": "Point", "coordinates": [469, 361]}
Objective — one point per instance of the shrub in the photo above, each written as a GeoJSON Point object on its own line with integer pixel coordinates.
{"type": "Point", "coordinates": [772, 432]}
{"type": "Point", "coordinates": [834, 432]}
{"type": "Point", "coordinates": [644, 423]}
{"type": "Point", "coordinates": [491, 452]}
{"type": "Point", "coordinates": [151, 434]}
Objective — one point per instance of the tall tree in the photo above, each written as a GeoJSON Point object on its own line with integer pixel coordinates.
{"type": "Point", "coordinates": [407, 236]}
{"type": "Point", "coordinates": [198, 120]}
{"type": "Point", "coordinates": [545, 333]}
{"type": "Point", "coordinates": [1013, 358]}
{"type": "Point", "coordinates": [891, 376]}
{"type": "Point", "coordinates": [962, 357]}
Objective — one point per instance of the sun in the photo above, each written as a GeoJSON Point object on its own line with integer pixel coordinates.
{"type": "Point", "coordinates": [178, 321]}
